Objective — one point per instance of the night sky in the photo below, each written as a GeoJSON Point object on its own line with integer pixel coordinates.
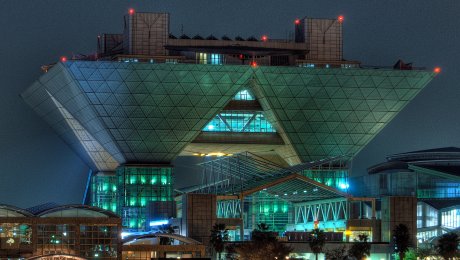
{"type": "Point", "coordinates": [36, 166]}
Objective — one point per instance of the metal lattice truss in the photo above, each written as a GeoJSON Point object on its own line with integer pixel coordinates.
{"type": "Point", "coordinates": [326, 210]}
{"type": "Point", "coordinates": [245, 174]}
{"type": "Point", "coordinates": [229, 208]}
{"type": "Point", "coordinates": [149, 113]}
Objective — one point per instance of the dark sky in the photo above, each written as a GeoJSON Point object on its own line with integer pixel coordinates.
{"type": "Point", "coordinates": [36, 166]}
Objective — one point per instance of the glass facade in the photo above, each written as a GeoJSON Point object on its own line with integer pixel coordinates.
{"type": "Point", "coordinates": [427, 216]}
{"type": "Point", "coordinates": [89, 241]}
{"type": "Point", "coordinates": [244, 95]}
{"type": "Point", "coordinates": [98, 241]}
{"type": "Point", "coordinates": [57, 239]}
{"type": "Point", "coordinates": [16, 233]}
{"type": "Point", "coordinates": [336, 178]}
{"type": "Point", "coordinates": [104, 191]}
{"type": "Point", "coordinates": [451, 218]}
{"type": "Point", "coordinates": [137, 187]}
{"type": "Point", "coordinates": [240, 121]}
{"type": "Point", "coordinates": [263, 208]}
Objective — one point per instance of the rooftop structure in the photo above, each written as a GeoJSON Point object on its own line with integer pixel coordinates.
{"type": "Point", "coordinates": [148, 97]}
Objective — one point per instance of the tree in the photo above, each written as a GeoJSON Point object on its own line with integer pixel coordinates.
{"type": "Point", "coordinates": [336, 253]}
{"type": "Point", "coordinates": [402, 240]}
{"type": "Point", "coordinates": [262, 234]}
{"type": "Point", "coordinates": [316, 241]}
{"type": "Point", "coordinates": [219, 235]}
{"type": "Point", "coordinates": [447, 245]}
{"type": "Point", "coordinates": [360, 248]}
{"type": "Point", "coordinates": [424, 252]}
{"type": "Point", "coordinates": [263, 245]}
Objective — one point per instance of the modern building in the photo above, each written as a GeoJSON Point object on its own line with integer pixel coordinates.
{"type": "Point", "coordinates": [431, 178]}
{"type": "Point", "coordinates": [286, 116]}
{"type": "Point", "coordinates": [70, 232]}
{"type": "Point", "coordinates": [79, 232]}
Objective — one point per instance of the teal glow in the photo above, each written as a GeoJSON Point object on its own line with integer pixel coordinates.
{"type": "Point", "coordinates": [164, 180]}
{"type": "Point", "coordinates": [336, 178]}
{"type": "Point", "coordinates": [132, 202]}
{"type": "Point", "coordinates": [244, 95]}
{"type": "Point", "coordinates": [132, 180]}
{"type": "Point", "coordinates": [216, 59]}
{"type": "Point", "coordinates": [240, 121]}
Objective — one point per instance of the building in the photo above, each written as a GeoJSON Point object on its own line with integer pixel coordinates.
{"type": "Point", "coordinates": [430, 178]}
{"type": "Point", "coordinates": [70, 231]}
{"type": "Point", "coordinates": [289, 114]}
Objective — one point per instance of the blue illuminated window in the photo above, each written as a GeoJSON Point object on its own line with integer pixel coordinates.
{"type": "Point", "coordinates": [244, 95]}
{"type": "Point", "coordinates": [240, 121]}
{"type": "Point", "coordinates": [209, 58]}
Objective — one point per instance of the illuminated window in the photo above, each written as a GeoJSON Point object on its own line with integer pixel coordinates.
{"type": "Point", "coordinates": [307, 65]}
{"type": "Point", "coordinates": [240, 121]}
{"type": "Point", "coordinates": [243, 95]}
{"type": "Point", "coordinates": [209, 58]}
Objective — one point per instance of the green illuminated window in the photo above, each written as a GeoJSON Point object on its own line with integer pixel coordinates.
{"type": "Point", "coordinates": [336, 178]}
{"type": "Point", "coordinates": [137, 187]}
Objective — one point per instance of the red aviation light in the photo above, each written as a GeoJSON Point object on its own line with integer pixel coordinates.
{"type": "Point", "coordinates": [340, 18]}
{"type": "Point", "coordinates": [63, 59]}
{"type": "Point", "coordinates": [437, 70]}
{"type": "Point", "coordinates": [131, 11]}
{"type": "Point", "coordinates": [297, 21]}
{"type": "Point", "coordinates": [253, 64]}
{"type": "Point", "coordinates": [241, 56]}
{"type": "Point", "coordinates": [264, 38]}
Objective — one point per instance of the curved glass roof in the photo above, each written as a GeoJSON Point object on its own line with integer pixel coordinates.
{"type": "Point", "coordinates": [7, 211]}
{"type": "Point", "coordinates": [149, 239]}
{"type": "Point", "coordinates": [77, 211]}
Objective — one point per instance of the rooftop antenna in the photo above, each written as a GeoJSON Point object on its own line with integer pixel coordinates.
{"type": "Point", "coordinates": [181, 28]}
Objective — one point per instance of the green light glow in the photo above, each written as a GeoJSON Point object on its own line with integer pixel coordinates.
{"type": "Point", "coordinates": [132, 180]}
{"type": "Point", "coordinates": [285, 208]}
{"type": "Point", "coordinates": [132, 202]}
{"type": "Point", "coordinates": [132, 223]}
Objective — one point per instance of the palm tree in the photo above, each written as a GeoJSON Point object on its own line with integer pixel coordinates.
{"type": "Point", "coordinates": [402, 240]}
{"type": "Point", "coordinates": [219, 235]}
{"type": "Point", "coordinates": [316, 241]}
{"type": "Point", "coordinates": [263, 227]}
{"type": "Point", "coordinates": [360, 248]}
{"type": "Point", "coordinates": [336, 253]}
{"type": "Point", "coordinates": [262, 234]}
{"type": "Point", "coordinates": [447, 245]}
{"type": "Point", "coordinates": [263, 245]}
